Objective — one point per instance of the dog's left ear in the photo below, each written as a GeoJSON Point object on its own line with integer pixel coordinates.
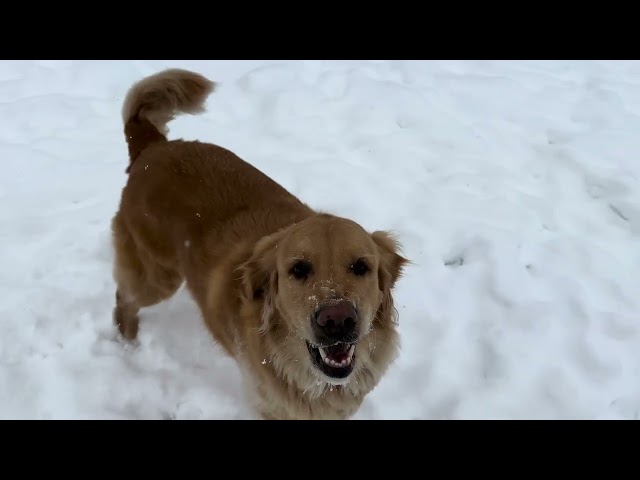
{"type": "Point", "coordinates": [391, 262]}
{"type": "Point", "coordinates": [259, 276]}
{"type": "Point", "coordinates": [391, 268]}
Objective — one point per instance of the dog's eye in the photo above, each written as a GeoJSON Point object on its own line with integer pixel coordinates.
{"type": "Point", "coordinates": [301, 269]}
{"type": "Point", "coordinates": [359, 268]}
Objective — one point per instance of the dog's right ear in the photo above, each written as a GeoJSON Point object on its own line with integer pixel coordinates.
{"type": "Point", "coordinates": [259, 276]}
{"type": "Point", "coordinates": [258, 270]}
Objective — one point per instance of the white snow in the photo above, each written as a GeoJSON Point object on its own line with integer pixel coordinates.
{"type": "Point", "coordinates": [513, 186]}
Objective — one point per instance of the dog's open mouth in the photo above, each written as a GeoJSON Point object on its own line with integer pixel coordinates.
{"type": "Point", "coordinates": [335, 361]}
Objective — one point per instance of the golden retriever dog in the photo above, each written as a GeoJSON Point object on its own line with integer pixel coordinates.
{"type": "Point", "coordinates": [301, 299]}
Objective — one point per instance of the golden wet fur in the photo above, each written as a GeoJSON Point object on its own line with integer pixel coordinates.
{"type": "Point", "coordinates": [195, 212]}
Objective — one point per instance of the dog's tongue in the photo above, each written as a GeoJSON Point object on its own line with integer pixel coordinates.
{"type": "Point", "coordinates": [338, 352]}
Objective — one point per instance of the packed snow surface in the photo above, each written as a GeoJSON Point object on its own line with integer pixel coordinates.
{"type": "Point", "coordinates": [512, 186]}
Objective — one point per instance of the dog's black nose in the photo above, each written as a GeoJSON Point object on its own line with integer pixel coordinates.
{"type": "Point", "coordinates": [338, 321]}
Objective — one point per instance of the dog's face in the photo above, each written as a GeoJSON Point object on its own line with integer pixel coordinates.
{"type": "Point", "coordinates": [325, 288]}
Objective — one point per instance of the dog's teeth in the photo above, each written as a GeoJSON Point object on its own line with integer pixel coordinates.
{"type": "Point", "coordinates": [332, 363]}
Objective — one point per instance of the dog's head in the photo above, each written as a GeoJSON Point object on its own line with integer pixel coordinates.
{"type": "Point", "coordinates": [323, 288]}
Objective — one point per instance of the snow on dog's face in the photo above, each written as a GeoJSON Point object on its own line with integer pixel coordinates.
{"type": "Point", "coordinates": [326, 304]}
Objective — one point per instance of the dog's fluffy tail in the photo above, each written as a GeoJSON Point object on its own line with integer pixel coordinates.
{"type": "Point", "coordinates": [154, 101]}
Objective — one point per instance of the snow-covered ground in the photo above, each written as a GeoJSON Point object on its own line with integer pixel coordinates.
{"type": "Point", "coordinates": [513, 186]}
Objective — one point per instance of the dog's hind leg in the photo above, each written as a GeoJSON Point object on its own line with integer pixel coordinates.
{"type": "Point", "coordinates": [141, 282]}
